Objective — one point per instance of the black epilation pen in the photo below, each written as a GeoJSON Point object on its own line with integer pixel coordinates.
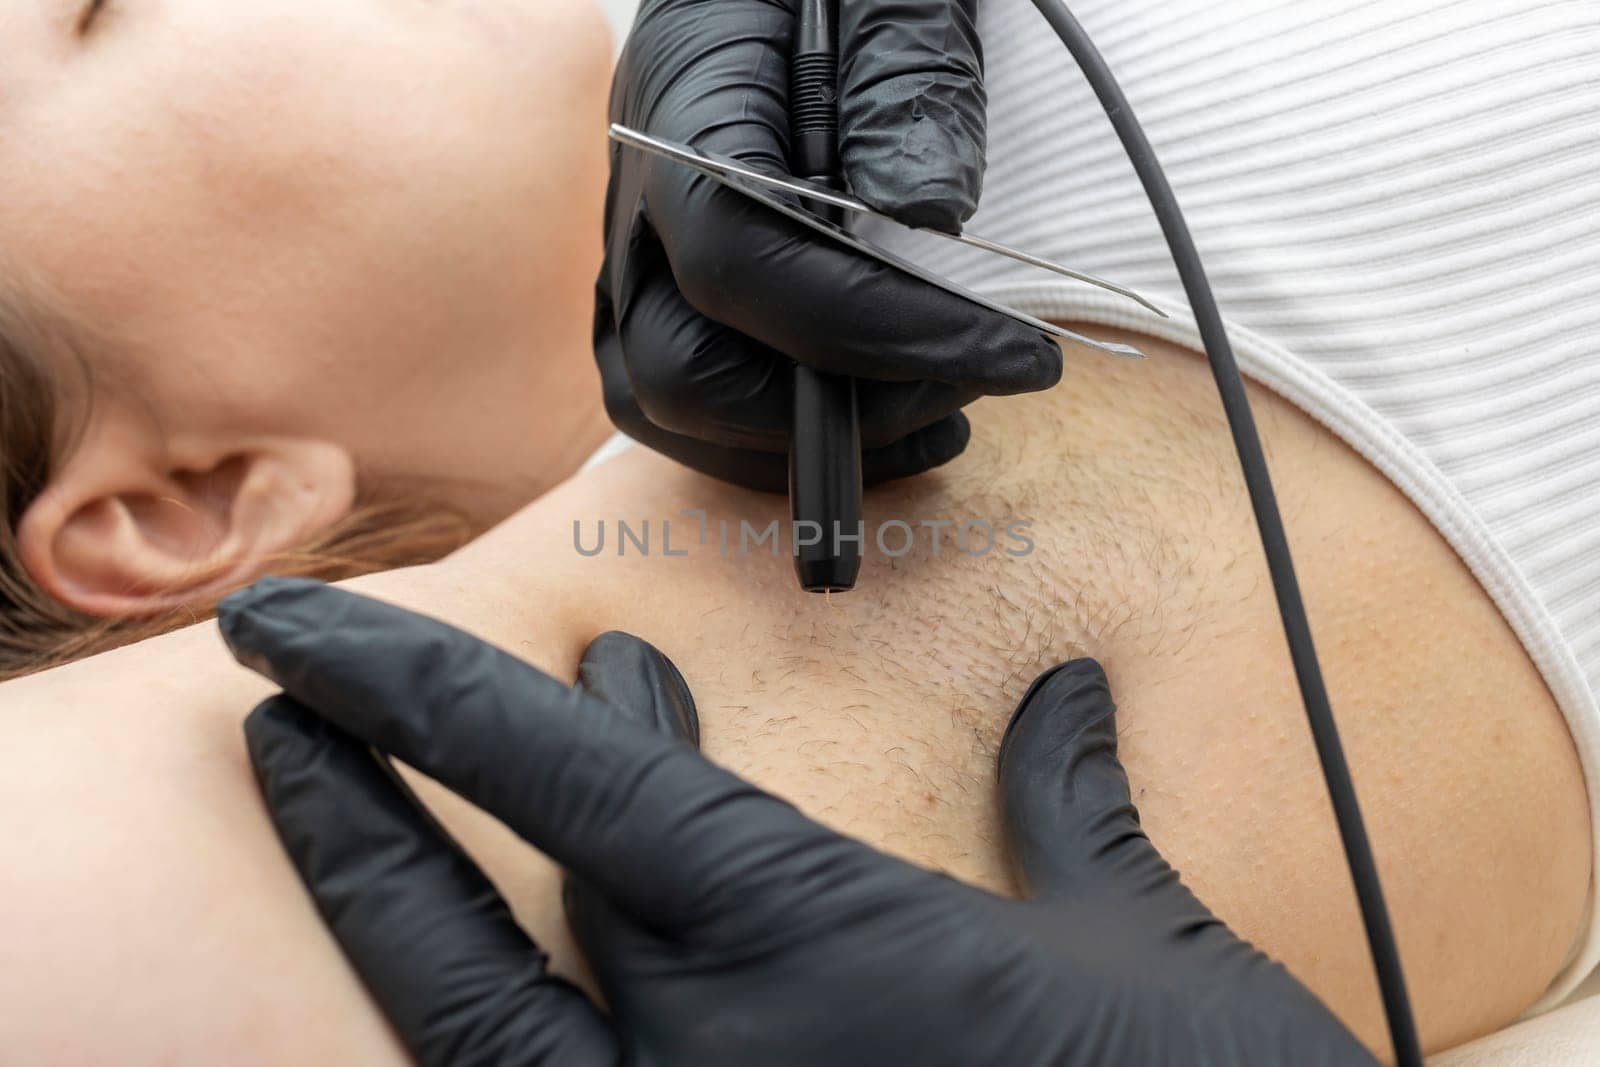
{"type": "Point", "coordinates": [825, 446]}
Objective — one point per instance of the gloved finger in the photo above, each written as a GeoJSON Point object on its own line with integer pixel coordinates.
{"type": "Point", "coordinates": [711, 84]}
{"type": "Point", "coordinates": [1065, 806]}
{"type": "Point", "coordinates": [917, 452]}
{"type": "Point", "coordinates": [641, 684]}
{"type": "Point", "coordinates": [750, 468]}
{"type": "Point", "coordinates": [659, 831]}
{"type": "Point", "coordinates": [767, 472]}
{"type": "Point", "coordinates": [691, 375]}
{"type": "Point", "coordinates": [892, 411]}
{"type": "Point", "coordinates": [834, 309]}
{"type": "Point", "coordinates": [758, 469]}
{"type": "Point", "coordinates": [644, 686]}
{"type": "Point", "coordinates": [912, 109]}
{"type": "Point", "coordinates": [456, 976]}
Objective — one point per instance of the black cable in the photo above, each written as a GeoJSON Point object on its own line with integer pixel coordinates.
{"type": "Point", "coordinates": [1258, 482]}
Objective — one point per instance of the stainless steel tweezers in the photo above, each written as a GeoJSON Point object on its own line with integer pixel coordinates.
{"type": "Point", "coordinates": [764, 187]}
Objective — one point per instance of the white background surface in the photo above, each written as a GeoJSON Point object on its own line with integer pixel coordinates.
{"type": "Point", "coordinates": [621, 15]}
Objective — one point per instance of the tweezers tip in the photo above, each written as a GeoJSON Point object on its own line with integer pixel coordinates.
{"type": "Point", "coordinates": [1114, 349]}
{"type": "Point", "coordinates": [1110, 348]}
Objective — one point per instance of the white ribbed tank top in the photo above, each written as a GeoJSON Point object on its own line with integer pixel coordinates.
{"type": "Point", "coordinates": [1398, 204]}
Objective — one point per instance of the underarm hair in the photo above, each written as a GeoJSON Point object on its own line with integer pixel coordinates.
{"type": "Point", "coordinates": [1124, 541]}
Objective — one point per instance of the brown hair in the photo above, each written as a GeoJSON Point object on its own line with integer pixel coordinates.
{"type": "Point", "coordinates": [37, 631]}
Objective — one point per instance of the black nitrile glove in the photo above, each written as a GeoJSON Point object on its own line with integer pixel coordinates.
{"type": "Point", "coordinates": [705, 297]}
{"type": "Point", "coordinates": [725, 928]}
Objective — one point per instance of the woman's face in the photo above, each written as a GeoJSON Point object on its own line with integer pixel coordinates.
{"type": "Point", "coordinates": [371, 224]}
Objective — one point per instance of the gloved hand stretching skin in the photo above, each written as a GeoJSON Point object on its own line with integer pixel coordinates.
{"type": "Point", "coordinates": [705, 297]}
{"type": "Point", "coordinates": [724, 927]}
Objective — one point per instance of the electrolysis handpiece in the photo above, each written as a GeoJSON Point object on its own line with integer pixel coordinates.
{"type": "Point", "coordinates": [825, 442]}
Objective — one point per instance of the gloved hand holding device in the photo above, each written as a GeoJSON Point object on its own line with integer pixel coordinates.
{"type": "Point", "coordinates": [705, 297]}
{"type": "Point", "coordinates": [724, 927]}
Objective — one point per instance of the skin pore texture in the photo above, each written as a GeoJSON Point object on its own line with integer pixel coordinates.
{"type": "Point", "coordinates": [154, 889]}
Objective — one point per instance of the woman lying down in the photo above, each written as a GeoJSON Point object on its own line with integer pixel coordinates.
{"type": "Point", "coordinates": [272, 304]}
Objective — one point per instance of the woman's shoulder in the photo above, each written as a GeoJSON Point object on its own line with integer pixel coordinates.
{"type": "Point", "coordinates": [146, 876]}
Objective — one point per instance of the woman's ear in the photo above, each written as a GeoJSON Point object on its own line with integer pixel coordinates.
{"type": "Point", "coordinates": [123, 532]}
